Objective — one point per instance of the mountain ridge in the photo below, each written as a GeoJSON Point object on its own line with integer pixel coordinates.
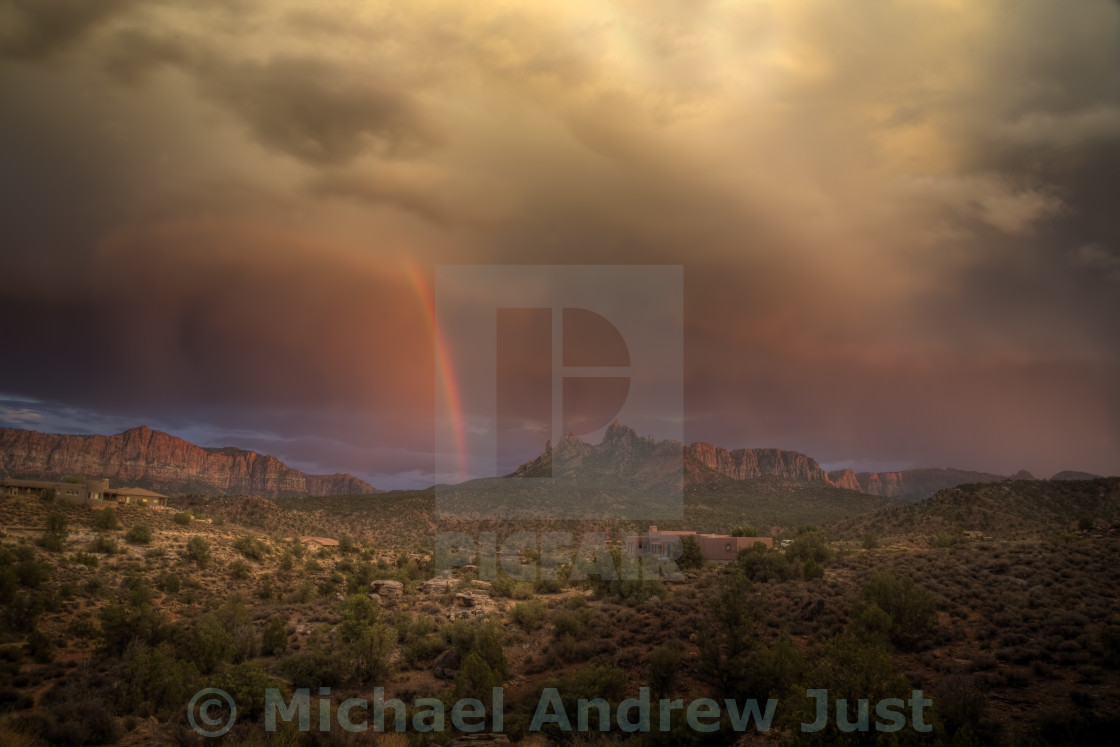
{"type": "Point", "coordinates": [159, 461]}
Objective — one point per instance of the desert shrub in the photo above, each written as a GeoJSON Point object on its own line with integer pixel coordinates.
{"type": "Point", "coordinates": [32, 573]}
{"type": "Point", "coordinates": [423, 648]}
{"type": "Point", "coordinates": [691, 557]}
{"type": "Point", "coordinates": [58, 529]}
{"type": "Point", "coordinates": [171, 583]}
{"type": "Point", "coordinates": [502, 585]}
{"type": "Point", "coordinates": [760, 563]}
{"type": "Point", "coordinates": [946, 539]}
{"type": "Point", "coordinates": [139, 535]}
{"type": "Point", "coordinates": [568, 623]}
{"type": "Point", "coordinates": [529, 615]}
{"type": "Point", "coordinates": [313, 669]}
{"type": "Point", "coordinates": [664, 665]}
{"type": "Point", "coordinates": [247, 683]}
{"type": "Point", "coordinates": [239, 569]}
{"type": "Point", "coordinates": [870, 541]}
{"type": "Point", "coordinates": [104, 545]}
{"type": "Point", "coordinates": [548, 586]}
{"type": "Point", "coordinates": [369, 642]}
{"type": "Point", "coordinates": [182, 518]}
{"type": "Point", "coordinates": [40, 647]}
{"type": "Point", "coordinates": [812, 570]}
{"type": "Point", "coordinates": [80, 719]}
{"type": "Point", "coordinates": [911, 609]}
{"type": "Point", "coordinates": [139, 593]}
{"type": "Point", "coordinates": [809, 545]}
{"type": "Point", "coordinates": [106, 520]}
{"type": "Point", "coordinates": [155, 676]}
{"type": "Point", "coordinates": [274, 639]}
{"type": "Point", "coordinates": [81, 627]}
{"type": "Point", "coordinates": [744, 530]}
{"type": "Point", "coordinates": [303, 594]}
{"type": "Point", "coordinates": [251, 547]}
{"type": "Point", "coordinates": [1110, 640]}
{"type": "Point", "coordinates": [198, 550]}
{"type": "Point", "coordinates": [121, 626]}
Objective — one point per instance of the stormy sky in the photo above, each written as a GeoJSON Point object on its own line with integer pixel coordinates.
{"type": "Point", "coordinates": [896, 220]}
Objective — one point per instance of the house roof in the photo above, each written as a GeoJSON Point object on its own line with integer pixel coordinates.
{"type": "Point", "coordinates": [324, 541]}
{"type": "Point", "coordinates": [135, 492]}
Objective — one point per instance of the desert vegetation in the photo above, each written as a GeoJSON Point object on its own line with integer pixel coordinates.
{"type": "Point", "coordinates": [109, 625]}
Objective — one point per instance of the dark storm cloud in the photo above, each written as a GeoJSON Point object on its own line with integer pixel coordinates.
{"type": "Point", "coordinates": [895, 218]}
{"type": "Point", "coordinates": [32, 30]}
{"type": "Point", "coordinates": [317, 112]}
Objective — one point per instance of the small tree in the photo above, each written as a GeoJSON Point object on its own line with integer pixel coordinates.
{"type": "Point", "coordinates": [58, 529]}
{"type": "Point", "coordinates": [106, 520]}
{"type": "Point", "coordinates": [198, 550]}
{"type": "Point", "coordinates": [139, 535]}
{"type": "Point", "coordinates": [744, 530]}
{"type": "Point", "coordinates": [691, 557]}
{"type": "Point", "coordinates": [911, 609]}
{"type": "Point", "coordinates": [274, 640]}
{"type": "Point", "coordinates": [664, 664]}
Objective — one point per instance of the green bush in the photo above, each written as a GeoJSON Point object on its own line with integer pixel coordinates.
{"type": "Point", "coordinates": [691, 557]}
{"type": "Point", "coordinates": [182, 518]}
{"type": "Point", "coordinates": [911, 609]}
{"type": "Point", "coordinates": [106, 520]}
{"type": "Point", "coordinates": [198, 550]}
{"type": "Point", "coordinates": [664, 664]}
{"type": "Point", "coordinates": [812, 570]}
{"type": "Point", "coordinates": [760, 563]}
{"type": "Point", "coordinates": [85, 558]}
{"type": "Point", "coordinates": [274, 639]}
{"type": "Point", "coordinates": [529, 615]}
{"type": "Point", "coordinates": [744, 530]}
{"type": "Point", "coordinates": [104, 545]}
{"type": "Point", "coordinates": [870, 541]}
{"type": "Point", "coordinates": [251, 547]}
{"type": "Point", "coordinates": [139, 535]}
{"type": "Point", "coordinates": [81, 627]}
{"type": "Point", "coordinates": [239, 569]}
{"type": "Point", "coordinates": [155, 676]}
{"type": "Point", "coordinates": [171, 583]}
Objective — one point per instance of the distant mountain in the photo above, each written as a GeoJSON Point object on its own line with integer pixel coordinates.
{"type": "Point", "coordinates": [1070, 474]}
{"type": "Point", "coordinates": [644, 461]}
{"type": "Point", "coordinates": [626, 475]}
{"type": "Point", "coordinates": [1010, 509]}
{"type": "Point", "coordinates": [158, 461]}
{"type": "Point", "coordinates": [910, 484]}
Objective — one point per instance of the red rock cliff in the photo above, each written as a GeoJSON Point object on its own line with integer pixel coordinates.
{"type": "Point", "coordinates": [147, 458]}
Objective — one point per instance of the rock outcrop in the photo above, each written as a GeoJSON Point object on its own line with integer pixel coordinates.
{"type": "Point", "coordinates": [910, 484]}
{"type": "Point", "coordinates": [742, 464]}
{"type": "Point", "coordinates": [158, 461]}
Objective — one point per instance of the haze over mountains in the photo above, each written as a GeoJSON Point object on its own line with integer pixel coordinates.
{"type": "Point", "coordinates": [642, 460]}
{"type": "Point", "coordinates": [153, 459]}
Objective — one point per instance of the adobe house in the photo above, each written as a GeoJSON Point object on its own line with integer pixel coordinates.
{"type": "Point", "coordinates": [94, 493]}
{"type": "Point", "coordinates": [135, 496]}
{"type": "Point", "coordinates": [71, 492]}
{"type": "Point", "coordinates": [317, 542]}
{"type": "Point", "coordinates": [719, 548]}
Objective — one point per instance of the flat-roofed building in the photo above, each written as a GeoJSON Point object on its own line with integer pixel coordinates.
{"type": "Point", "coordinates": [662, 544]}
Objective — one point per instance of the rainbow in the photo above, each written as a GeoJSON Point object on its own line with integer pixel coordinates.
{"type": "Point", "coordinates": [446, 381]}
